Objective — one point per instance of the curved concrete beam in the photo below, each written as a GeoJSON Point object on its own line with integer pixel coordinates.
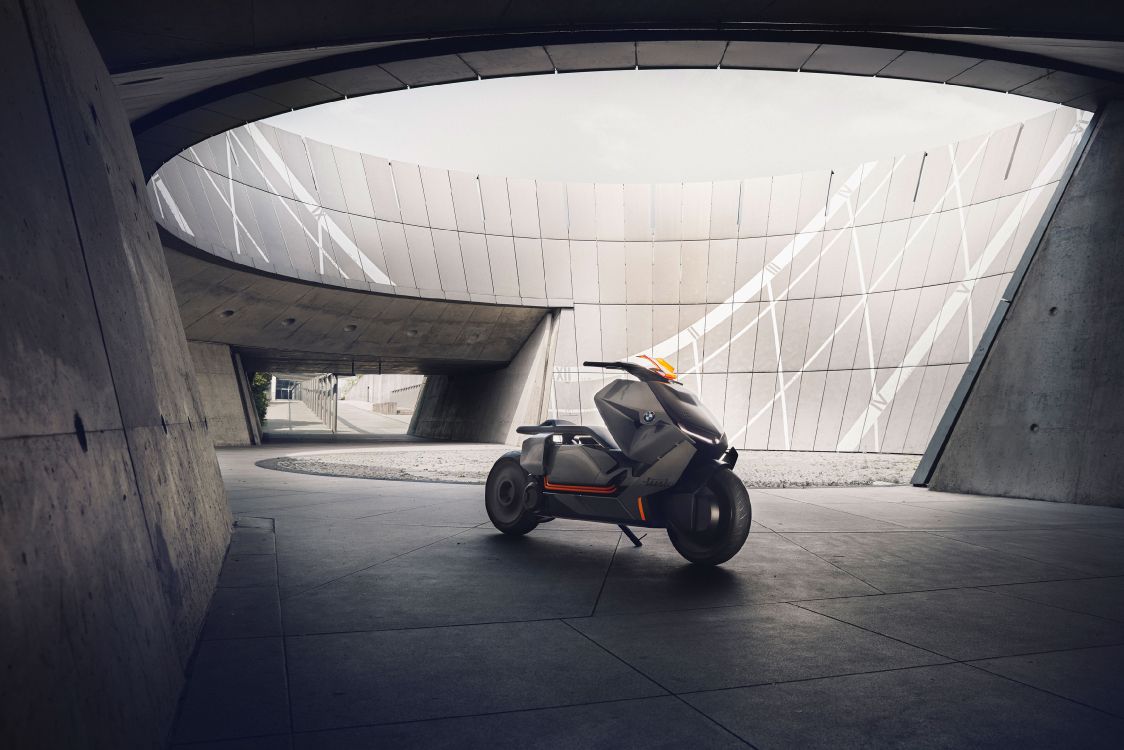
{"type": "Point", "coordinates": [300, 326]}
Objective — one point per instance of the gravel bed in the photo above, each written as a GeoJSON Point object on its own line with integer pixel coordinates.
{"type": "Point", "coordinates": [471, 466]}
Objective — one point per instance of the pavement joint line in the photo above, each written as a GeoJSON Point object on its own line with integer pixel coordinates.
{"type": "Point", "coordinates": [990, 590]}
{"type": "Point", "coordinates": [940, 535]}
{"type": "Point", "coordinates": [605, 579]}
{"type": "Point", "coordinates": [657, 683]}
{"type": "Point", "coordinates": [1039, 688]}
{"type": "Point", "coordinates": [869, 518]}
{"type": "Point", "coordinates": [552, 707]}
{"type": "Point", "coordinates": [829, 562]}
{"type": "Point", "coordinates": [875, 632]}
{"type": "Point", "coordinates": [281, 627]}
{"type": "Point", "coordinates": [948, 663]}
{"type": "Point", "coordinates": [368, 567]}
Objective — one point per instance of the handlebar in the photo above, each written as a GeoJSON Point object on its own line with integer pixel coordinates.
{"type": "Point", "coordinates": [635, 370]}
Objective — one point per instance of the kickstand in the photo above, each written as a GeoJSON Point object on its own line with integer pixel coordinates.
{"type": "Point", "coordinates": [631, 536]}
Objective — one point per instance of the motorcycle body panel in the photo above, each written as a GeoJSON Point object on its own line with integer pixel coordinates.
{"type": "Point", "coordinates": [579, 474]}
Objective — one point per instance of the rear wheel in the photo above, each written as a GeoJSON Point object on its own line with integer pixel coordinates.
{"type": "Point", "coordinates": [503, 497]}
{"type": "Point", "coordinates": [720, 524]}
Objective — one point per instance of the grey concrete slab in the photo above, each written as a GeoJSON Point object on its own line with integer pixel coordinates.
{"type": "Point", "coordinates": [248, 570]}
{"type": "Point", "coordinates": [911, 516]}
{"type": "Point", "coordinates": [236, 688]}
{"type": "Point", "coordinates": [1116, 531]}
{"type": "Point", "coordinates": [639, 724]}
{"type": "Point", "coordinates": [369, 678]}
{"type": "Point", "coordinates": [1091, 676]}
{"type": "Point", "coordinates": [911, 561]}
{"type": "Point", "coordinates": [246, 612]}
{"type": "Point", "coordinates": [740, 646]}
{"type": "Point", "coordinates": [312, 555]}
{"type": "Point", "coordinates": [972, 624]}
{"type": "Point", "coordinates": [780, 514]}
{"type": "Point", "coordinates": [465, 512]}
{"type": "Point", "coordinates": [1103, 597]}
{"type": "Point", "coordinates": [1067, 549]}
{"type": "Point", "coordinates": [1036, 512]}
{"type": "Point", "coordinates": [273, 742]}
{"type": "Point", "coordinates": [928, 707]}
{"type": "Point", "coordinates": [768, 569]}
{"type": "Point", "coordinates": [251, 541]}
{"type": "Point", "coordinates": [318, 506]}
{"type": "Point", "coordinates": [439, 635]}
{"type": "Point", "coordinates": [473, 576]}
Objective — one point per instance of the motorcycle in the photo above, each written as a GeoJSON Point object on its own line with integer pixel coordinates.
{"type": "Point", "coordinates": [664, 463]}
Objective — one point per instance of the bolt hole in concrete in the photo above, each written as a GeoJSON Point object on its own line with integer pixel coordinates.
{"type": "Point", "coordinates": [1053, 311]}
{"type": "Point", "coordinates": [80, 432]}
{"type": "Point", "coordinates": [288, 322]}
{"type": "Point", "coordinates": [226, 313]}
{"type": "Point", "coordinates": [1034, 427]}
{"type": "Point", "coordinates": [349, 328]}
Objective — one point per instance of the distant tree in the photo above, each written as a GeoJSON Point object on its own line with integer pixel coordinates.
{"type": "Point", "coordinates": [259, 386]}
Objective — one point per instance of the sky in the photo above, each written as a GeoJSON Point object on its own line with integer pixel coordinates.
{"type": "Point", "coordinates": [658, 125]}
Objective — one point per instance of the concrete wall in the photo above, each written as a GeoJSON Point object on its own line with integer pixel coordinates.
{"type": "Point", "coordinates": [1045, 418]}
{"type": "Point", "coordinates": [113, 520]}
{"type": "Point", "coordinates": [487, 407]}
{"type": "Point", "coordinates": [832, 310]}
{"type": "Point", "coordinates": [218, 388]}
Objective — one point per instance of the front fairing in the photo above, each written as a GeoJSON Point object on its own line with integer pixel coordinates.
{"type": "Point", "coordinates": [691, 417]}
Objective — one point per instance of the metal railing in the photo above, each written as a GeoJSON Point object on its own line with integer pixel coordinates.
{"type": "Point", "coordinates": [321, 395]}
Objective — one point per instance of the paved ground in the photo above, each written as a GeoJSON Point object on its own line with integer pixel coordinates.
{"type": "Point", "coordinates": [293, 418]}
{"type": "Point", "coordinates": [471, 463]}
{"type": "Point", "coordinates": [356, 613]}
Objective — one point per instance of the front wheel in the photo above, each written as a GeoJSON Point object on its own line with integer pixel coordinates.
{"type": "Point", "coordinates": [720, 524]}
{"type": "Point", "coordinates": [503, 497]}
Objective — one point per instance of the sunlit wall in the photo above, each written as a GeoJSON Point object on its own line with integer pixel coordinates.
{"type": "Point", "coordinates": [829, 310]}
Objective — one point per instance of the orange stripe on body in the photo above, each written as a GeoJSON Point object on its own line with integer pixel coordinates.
{"type": "Point", "coordinates": [640, 505]}
{"type": "Point", "coordinates": [577, 488]}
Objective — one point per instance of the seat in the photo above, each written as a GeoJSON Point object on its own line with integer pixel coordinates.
{"type": "Point", "coordinates": [568, 430]}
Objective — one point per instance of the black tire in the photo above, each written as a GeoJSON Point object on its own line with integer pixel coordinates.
{"type": "Point", "coordinates": [718, 544]}
{"type": "Point", "coordinates": [503, 496]}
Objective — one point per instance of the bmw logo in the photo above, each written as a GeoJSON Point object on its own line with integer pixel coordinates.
{"type": "Point", "coordinates": [649, 416]}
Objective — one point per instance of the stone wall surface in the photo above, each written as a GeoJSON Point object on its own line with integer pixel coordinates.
{"type": "Point", "coordinates": [113, 519]}
{"type": "Point", "coordinates": [1044, 419]}
{"type": "Point", "coordinates": [218, 388]}
{"type": "Point", "coordinates": [487, 406]}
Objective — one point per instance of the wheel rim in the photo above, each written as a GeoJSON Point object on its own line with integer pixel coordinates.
{"type": "Point", "coordinates": [720, 514]}
{"type": "Point", "coordinates": [507, 503]}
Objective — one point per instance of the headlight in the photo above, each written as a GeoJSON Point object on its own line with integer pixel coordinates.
{"type": "Point", "coordinates": [701, 438]}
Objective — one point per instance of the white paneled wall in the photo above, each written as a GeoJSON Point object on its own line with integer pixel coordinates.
{"type": "Point", "coordinates": [829, 310]}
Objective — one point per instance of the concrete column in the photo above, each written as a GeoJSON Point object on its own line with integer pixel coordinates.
{"type": "Point", "coordinates": [113, 520]}
{"type": "Point", "coordinates": [1045, 418]}
{"type": "Point", "coordinates": [487, 407]}
{"type": "Point", "coordinates": [227, 408]}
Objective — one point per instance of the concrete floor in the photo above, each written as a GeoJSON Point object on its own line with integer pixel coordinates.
{"type": "Point", "coordinates": [356, 613]}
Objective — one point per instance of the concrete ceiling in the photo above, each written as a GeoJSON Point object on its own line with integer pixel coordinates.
{"type": "Point", "coordinates": [278, 323]}
{"type": "Point", "coordinates": [189, 71]}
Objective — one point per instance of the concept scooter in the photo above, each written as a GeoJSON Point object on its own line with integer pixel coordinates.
{"type": "Point", "coordinates": [665, 464]}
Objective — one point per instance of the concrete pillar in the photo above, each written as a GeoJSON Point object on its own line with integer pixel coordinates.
{"type": "Point", "coordinates": [487, 407]}
{"type": "Point", "coordinates": [1045, 418]}
{"type": "Point", "coordinates": [113, 520]}
{"type": "Point", "coordinates": [228, 409]}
